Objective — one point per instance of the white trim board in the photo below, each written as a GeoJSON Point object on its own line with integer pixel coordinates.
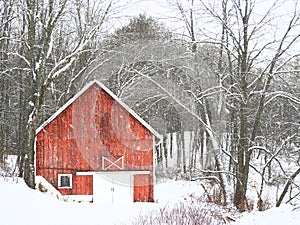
{"type": "Point", "coordinates": [117, 99]}
{"type": "Point", "coordinates": [132, 172]}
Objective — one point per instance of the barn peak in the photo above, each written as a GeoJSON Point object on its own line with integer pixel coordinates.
{"type": "Point", "coordinates": [110, 93]}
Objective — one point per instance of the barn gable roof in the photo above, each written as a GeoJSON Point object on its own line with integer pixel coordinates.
{"type": "Point", "coordinates": [102, 86]}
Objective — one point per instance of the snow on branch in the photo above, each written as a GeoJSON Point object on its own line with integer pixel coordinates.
{"type": "Point", "coordinates": [282, 94]}
{"type": "Point", "coordinates": [278, 69]}
{"type": "Point", "coordinates": [21, 57]}
{"type": "Point", "coordinates": [66, 62]}
{"type": "Point", "coordinates": [208, 128]}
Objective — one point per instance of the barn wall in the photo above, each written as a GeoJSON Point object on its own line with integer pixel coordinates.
{"type": "Point", "coordinates": [143, 188]}
{"type": "Point", "coordinates": [94, 125]}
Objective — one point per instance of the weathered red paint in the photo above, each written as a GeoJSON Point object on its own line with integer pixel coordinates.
{"type": "Point", "coordinates": [143, 188]}
{"type": "Point", "coordinates": [92, 126]}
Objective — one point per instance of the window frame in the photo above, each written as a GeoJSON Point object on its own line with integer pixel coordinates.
{"type": "Point", "coordinates": [60, 183]}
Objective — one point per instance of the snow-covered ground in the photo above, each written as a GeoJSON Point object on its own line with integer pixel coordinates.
{"type": "Point", "coordinates": [284, 215]}
{"type": "Point", "coordinates": [20, 205]}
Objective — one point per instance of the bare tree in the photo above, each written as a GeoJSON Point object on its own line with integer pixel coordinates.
{"type": "Point", "coordinates": [8, 87]}
{"type": "Point", "coordinates": [250, 55]}
{"type": "Point", "coordinates": [40, 21]}
{"type": "Point", "coordinates": [247, 84]}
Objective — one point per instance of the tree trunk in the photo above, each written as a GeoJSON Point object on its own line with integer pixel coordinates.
{"type": "Point", "coordinates": [179, 151]}
{"type": "Point", "coordinates": [222, 181]}
{"type": "Point", "coordinates": [171, 145]}
{"type": "Point", "coordinates": [286, 187]}
{"type": "Point", "coordinates": [165, 153]}
{"type": "Point", "coordinates": [240, 200]}
{"type": "Point", "coordinates": [183, 152]}
{"type": "Point", "coordinates": [29, 175]}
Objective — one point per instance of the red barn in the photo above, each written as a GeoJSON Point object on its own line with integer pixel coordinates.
{"type": "Point", "coordinates": [95, 146]}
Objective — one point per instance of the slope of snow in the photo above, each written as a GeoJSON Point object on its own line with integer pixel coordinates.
{"type": "Point", "coordinates": [285, 214]}
{"type": "Point", "coordinates": [20, 205]}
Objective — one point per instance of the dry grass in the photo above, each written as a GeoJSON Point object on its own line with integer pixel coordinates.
{"type": "Point", "coordinates": [188, 213]}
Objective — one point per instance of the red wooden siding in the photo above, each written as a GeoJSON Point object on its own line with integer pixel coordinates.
{"type": "Point", "coordinates": [143, 188]}
{"type": "Point", "coordinates": [92, 126]}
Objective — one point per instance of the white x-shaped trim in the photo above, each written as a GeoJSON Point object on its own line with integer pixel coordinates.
{"type": "Point", "coordinates": [112, 163]}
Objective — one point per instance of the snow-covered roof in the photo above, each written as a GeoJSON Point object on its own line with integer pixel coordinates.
{"type": "Point", "coordinates": [102, 86]}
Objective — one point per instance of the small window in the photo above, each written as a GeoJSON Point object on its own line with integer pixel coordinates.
{"type": "Point", "coordinates": [65, 180]}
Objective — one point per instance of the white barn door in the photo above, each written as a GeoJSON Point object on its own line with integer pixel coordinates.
{"type": "Point", "coordinates": [115, 187]}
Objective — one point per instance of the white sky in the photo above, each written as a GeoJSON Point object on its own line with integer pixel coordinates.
{"type": "Point", "coordinates": [160, 10]}
{"type": "Point", "coordinates": [165, 11]}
